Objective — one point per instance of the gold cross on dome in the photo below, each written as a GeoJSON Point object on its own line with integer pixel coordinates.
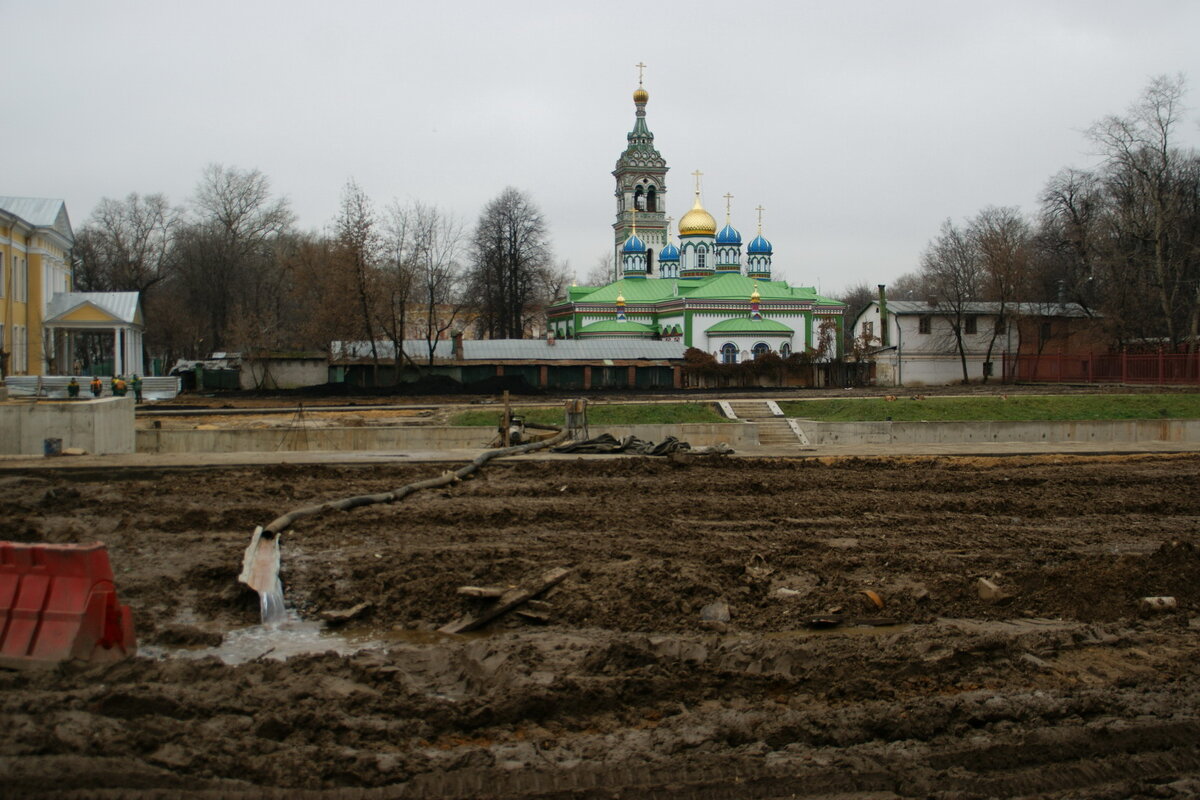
{"type": "Point", "coordinates": [697, 174]}
{"type": "Point", "coordinates": [640, 67]}
{"type": "Point", "coordinates": [728, 199]}
{"type": "Point", "coordinates": [760, 209]}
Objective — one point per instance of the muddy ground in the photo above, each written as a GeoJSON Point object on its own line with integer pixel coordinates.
{"type": "Point", "coordinates": [1060, 688]}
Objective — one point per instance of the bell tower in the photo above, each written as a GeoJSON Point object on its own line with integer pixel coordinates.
{"type": "Point", "coordinates": [641, 176]}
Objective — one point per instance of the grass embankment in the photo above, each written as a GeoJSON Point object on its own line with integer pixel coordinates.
{"type": "Point", "coordinates": [614, 414]}
{"type": "Point", "coordinates": [1016, 408]}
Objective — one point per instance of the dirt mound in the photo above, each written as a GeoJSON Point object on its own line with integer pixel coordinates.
{"type": "Point", "coordinates": [1057, 685]}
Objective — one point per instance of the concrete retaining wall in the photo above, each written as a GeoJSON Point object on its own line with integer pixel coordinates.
{"type": "Point", "coordinates": [405, 438]}
{"type": "Point", "coordinates": [1131, 430]}
{"type": "Point", "coordinates": [98, 426]}
{"type": "Point", "coordinates": [270, 440]}
{"type": "Point", "coordinates": [737, 436]}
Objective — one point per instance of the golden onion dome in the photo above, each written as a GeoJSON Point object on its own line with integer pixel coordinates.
{"type": "Point", "coordinates": [756, 296]}
{"type": "Point", "coordinates": [697, 222]}
{"type": "Point", "coordinates": [640, 96]}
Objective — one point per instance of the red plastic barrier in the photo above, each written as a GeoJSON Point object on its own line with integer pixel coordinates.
{"type": "Point", "coordinates": [58, 602]}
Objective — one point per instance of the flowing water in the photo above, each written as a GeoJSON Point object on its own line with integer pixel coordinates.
{"type": "Point", "coordinates": [271, 604]}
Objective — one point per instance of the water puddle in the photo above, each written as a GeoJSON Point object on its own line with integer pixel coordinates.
{"type": "Point", "coordinates": [290, 636]}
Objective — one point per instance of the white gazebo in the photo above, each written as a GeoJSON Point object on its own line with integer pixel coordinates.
{"type": "Point", "coordinates": [96, 312]}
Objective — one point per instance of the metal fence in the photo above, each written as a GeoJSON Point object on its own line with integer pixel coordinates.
{"type": "Point", "coordinates": [55, 386]}
{"type": "Point", "coordinates": [1160, 368]}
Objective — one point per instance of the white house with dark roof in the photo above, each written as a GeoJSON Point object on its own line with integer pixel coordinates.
{"type": "Point", "coordinates": [913, 343]}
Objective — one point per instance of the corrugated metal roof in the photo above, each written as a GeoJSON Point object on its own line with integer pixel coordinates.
{"type": "Point", "coordinates": [122, 305]}
{"type": "Point", "coordinates": [41, 212]}
{"type": "Point", "coordinates": [523, 349]}
{"type": "Point", "coordinates": [571, 349]}
{"type": "Point", "coordinates": [1024, 309]}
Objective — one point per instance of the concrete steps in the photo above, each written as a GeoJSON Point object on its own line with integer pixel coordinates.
{"type": "Point", "coordinates": [772, 429]}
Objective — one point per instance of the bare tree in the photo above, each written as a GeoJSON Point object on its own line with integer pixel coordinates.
{"type": "Point", "coordinates": [357, 245]}
{"type": "Point", "coordinates": [950, 267]}
{"type": "Point", "coordinates": [602, 272]}
{"type": "Point", "coordinates": [1000, 239]}
{"type": "Point", "coordinates": [127, 245]}
{"type": "Point", "coordinates": [1069, 242]}
{"type": "Point", "coordinates": [320, 299]}
{"type": "Point", "coordinates": [909, 286]}
{"type": "Point", "coordinates": [511, 263]}
{"type": "Point", "coordinates": [430, 242]}
{"type": "Point", "coordinates": [236, 223]}
{"type": "Point", "coordinates": [856, 298]}
{"type": "Point", "coordinates": [1152, 188]}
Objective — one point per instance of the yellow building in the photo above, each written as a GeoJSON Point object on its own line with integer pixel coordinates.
{"type": "Point", "coordinates": [35, 264]}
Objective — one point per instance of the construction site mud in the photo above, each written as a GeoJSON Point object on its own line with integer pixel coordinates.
{"type": "Point", "coordinates": [947, 627]}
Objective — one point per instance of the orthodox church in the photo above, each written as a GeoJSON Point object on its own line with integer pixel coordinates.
{"type": "Point", "coordinates": [703, 292]}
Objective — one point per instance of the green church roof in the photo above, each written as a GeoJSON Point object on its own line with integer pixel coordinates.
{"type": "Point", "coordinates": [612, 326]}
{"type": "Point", "coordinates": [750, 326]}
{"type": "Point", "coordinates": [634, 290]}
{"type": "Point", "coordinates": [730, 286]}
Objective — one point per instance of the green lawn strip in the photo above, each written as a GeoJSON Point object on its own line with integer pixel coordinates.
{"type": "Point", "coordinates": [614, 414]}
{"type": "Point", "coordinates": [1017, 408]}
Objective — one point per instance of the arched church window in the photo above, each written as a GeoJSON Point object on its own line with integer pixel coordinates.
{"type": "Point", "coordinates": [785, 349]}
{"type": "Point", "coordinates": [639, 199]}
{"type": "Point", "coordinates": [652, 199]}
{"type": "Point", "coordinates": [729, 353]}
{"type": "Point", "coordinates": [701, 257]}
{"type": "Point", "coordinates": [761, 349]}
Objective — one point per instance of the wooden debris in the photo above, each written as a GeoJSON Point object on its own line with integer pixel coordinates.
{"type": "Point", "coordinates": [342, 616]}
{"type": "Point", "coordinates": [488, 592]}
{"type": "Point", "coordinates": [874, 597]}
{"type": "Point", "coordinates": [989, 592]}
{"type": "Point", "coordinates": [506, 602]}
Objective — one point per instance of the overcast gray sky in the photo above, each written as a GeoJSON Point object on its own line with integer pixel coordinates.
{"type": "Point", "coordinates": [859, 126]}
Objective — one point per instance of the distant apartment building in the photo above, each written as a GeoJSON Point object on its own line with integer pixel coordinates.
{"type": "Point", "coordinates": [35, 264]}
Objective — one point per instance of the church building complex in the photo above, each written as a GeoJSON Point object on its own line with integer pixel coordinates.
{"type": "Point", "coordinates": [704, 292]}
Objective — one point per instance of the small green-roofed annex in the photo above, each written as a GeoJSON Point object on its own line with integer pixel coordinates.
{"type": "Point", "coordinates": [750, 326]}
{"type": "Point", "coordinates": [616, 328]}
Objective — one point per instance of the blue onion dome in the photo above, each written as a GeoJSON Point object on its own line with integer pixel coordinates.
{"type": "Point", "coordinates": [634, 245]}
{"type": "Point", "coordinates": [729, 235]}
{"type": "Point", "coordinates": [759, 247]}
{"type": "Point", "coordinates": [669, 253]}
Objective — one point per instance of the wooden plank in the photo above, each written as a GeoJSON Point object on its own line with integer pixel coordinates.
{"type": "Point", "coordinates": [507, 602]}
{"type": "Point", "coordinates": [490, 592]}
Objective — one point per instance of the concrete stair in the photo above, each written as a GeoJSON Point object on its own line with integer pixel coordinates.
{"type": "Point", "coordinates": [772, 430]}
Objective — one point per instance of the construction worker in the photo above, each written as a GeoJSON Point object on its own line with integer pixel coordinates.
{"type": "Point", "coordinates": [97, 386]}
{"type": "Point", "coordinates": [118, 386]}
{"type": "Point", "coordinates": [136, 385]}
{"type": "Point", "coordinates": [73, 388]}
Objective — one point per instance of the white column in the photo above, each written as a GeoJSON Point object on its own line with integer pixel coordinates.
{"type": "Point", "coordinates": [116, 352]}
